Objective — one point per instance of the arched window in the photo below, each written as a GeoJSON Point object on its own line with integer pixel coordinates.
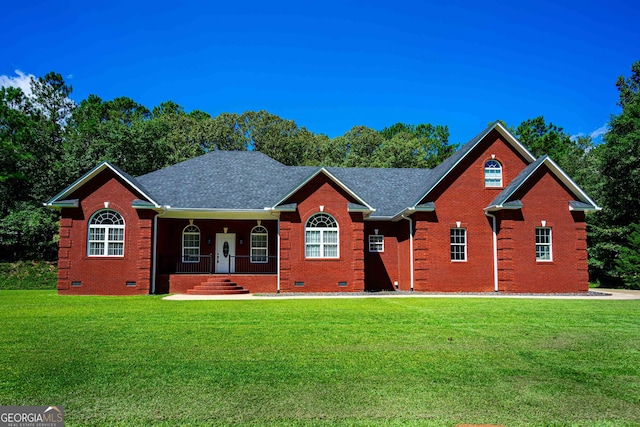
{"type": "Point", "coordinates": [321, 237]}
{"type": "Point", "coordinates": [106, 234]}
{"type": "Point", "coordinates": [259, 244]}
{"type": "Point", "coordinates": [492, 174]}
{"type": "Point", "coordinates": [191, 244]}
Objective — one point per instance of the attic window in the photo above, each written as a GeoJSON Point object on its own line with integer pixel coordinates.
{"type": "Point", "coordinates": [492, 173]}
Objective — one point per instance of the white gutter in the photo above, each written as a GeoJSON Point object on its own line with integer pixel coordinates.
{"type": "Point", "coordinates": [410, 247]}
{"type": "Point", "coordinates": [495, 251]}
{"type": "Point", "coordinates": [279, 256]}
{"type": "Point", "coordinates": [278, 250]}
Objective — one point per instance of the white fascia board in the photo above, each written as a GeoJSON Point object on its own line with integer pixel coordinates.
{"type": "Point", "coordinates": [566, 180]}
{"type": "Point", "coordinates": [331, 177]}
{"type": "Point", "coordinates": [560, 174]}
{"type": "Point", "coordinates": [89, 176]}
{"type": "Point", "coordinates": [514, 142]}
{"type": "Point", "coordinates": [73, 203]}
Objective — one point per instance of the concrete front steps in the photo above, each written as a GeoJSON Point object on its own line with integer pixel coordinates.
{"type": "Point", "coordinates": [217, 286]}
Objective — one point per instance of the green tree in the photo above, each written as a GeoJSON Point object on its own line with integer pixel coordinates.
{"type": "Point", "coordinates": [16, 134]}
{"type": "Point", "coordinates": [33, 132]}
{"type": "Point", "coordinates": [571, 154]}
{"type": "Point", "coordinates": [628, 261]}
{"type": "Point", "coordinates": [613, 231]}
{"type": "Point", "coordinates": [276, 137]}
{"type": "Point", "coordinates": [422, 146]}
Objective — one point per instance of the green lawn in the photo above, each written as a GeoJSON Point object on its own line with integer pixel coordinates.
{"type": "Point", "coordinates": [357, 362]}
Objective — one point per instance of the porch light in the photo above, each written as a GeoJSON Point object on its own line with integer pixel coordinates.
{"type": "Point", "coordinates": [209, 240]}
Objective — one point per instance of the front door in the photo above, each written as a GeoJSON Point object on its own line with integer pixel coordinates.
{"type": "Point", "coordinates": [225, 253]}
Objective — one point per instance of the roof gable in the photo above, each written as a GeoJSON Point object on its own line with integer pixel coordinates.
{"type": "Point", "coordinates": [59, 200]}
{"type": "Point", "coordinates": [501, 201]}
{"type": "Point", "coordinates": [443, 170]}
{"type": "Point", "coordinates": [331, 177]}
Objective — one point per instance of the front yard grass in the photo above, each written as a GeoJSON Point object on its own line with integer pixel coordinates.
{"type": "Point", "coordinates": [136, 361]}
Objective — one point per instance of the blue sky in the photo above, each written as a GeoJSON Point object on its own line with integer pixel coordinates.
{"type": "Point", "coordinates": [334, 65]}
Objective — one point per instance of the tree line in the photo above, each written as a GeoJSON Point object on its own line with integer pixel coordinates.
{"type": "Point", "coordinates": [47, 141]}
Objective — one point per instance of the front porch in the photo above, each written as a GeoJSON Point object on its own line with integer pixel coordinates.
{"type": "Point", "coordinates": [200, 254]}
{"type": "Point", "coordinates": [183, 283]}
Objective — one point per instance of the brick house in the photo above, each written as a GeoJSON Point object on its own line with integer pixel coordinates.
{"type": "Point", "coordinates": [489, 218]}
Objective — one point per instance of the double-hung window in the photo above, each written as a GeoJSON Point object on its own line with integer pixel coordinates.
{"type": "Point", "coordinates": [259, 246]}
{"type": "Point", "coordinates": [458, 242]}
{"type": "Point", "coordinates": [543, 244]}
{"type": "Point", "coordinates": [321, 238]}
{"type": "Point", "coordinates": [191, 244]}
{"type": "Point", "coordinates": [106, 234]}
{"type": "Point", "coordinates": [376, 243]}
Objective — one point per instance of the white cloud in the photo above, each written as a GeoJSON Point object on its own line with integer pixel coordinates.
{"type": "Point", "coordinates": [596, 134]}
{"type": "Point", "coordinates": [22, 80]}
{"type": "Point", "coordinates": [599, 132]}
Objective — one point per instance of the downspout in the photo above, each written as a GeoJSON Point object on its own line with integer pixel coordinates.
{"type": "Point", "coordinates": [495, 251]}
{"type": "Point", "coordinates": [154, 254]}
{"type": "Point", "coordinates": [410, 247]}
{"type": "Point", "coordinates": [278, 260]}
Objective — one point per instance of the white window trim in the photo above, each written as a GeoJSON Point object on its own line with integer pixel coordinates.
{"type": "Point", "coordinates": [322, 243]}
{"type": "Point", "coordinates": [188, 258]}
{"type": "Point", "coordinates": [105, 241]}
{"type": "Point", "coordinates": [499, 185]}
{"type": "Point", "coordinates": [251, 247]}
{"type": "Point", "coordinates": [464, 244]}
{"type": "Point", "coordinates": [549, 244]}
{"type": "Point", "coordinates": [376, 246]}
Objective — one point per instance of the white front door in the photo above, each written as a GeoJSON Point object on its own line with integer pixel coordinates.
{"type": "Point", "coordinates": [225, 253]}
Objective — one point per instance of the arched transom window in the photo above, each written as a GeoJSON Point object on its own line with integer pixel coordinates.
{"type": "Point", "coordinates": [106, 234]}
{"type": "Point", "coordinates": [321, 237]}
{"type": "Point", "coordinates": [259, 244]}
{"type": "Point", "coordinates": [191, 244]}
{"type": "Point", "coordinates": [492, 174]}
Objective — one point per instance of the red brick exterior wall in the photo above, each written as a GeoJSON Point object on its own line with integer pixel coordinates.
{"type": "Point", "coordinates": [382, 269]}
{"type": "Point", "coordinates": [462, 198]}
{"type": "Point", "coordinates": [104, 275]}
{"type": "Point", "coordinates": [544, 199]}
{"type": "Point", "coordinates": [322, 275]}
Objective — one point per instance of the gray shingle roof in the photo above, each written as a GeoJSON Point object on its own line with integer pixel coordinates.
{"type": "Point", "coordinates": [250, 180]}
{"type": "Point", "coordinates": [234, 180]}
{"type": "Point", "coordinates": [388, 191]}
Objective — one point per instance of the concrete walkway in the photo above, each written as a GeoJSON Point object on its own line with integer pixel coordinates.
{"type": "Point", "coordinates": [609, 294]}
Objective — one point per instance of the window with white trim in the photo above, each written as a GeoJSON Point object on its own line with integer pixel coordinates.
{"type": "Point", "coordinates": [259, 244]}
{"type": "Point", "coordinates": [543, 244]}
{"type": "Point", "coordinates": [458, 239]}
{"type": "Point", "coordinates": [492, 174]}
{"type": "Point", "coordinates": [376, 243]}
{"type": "Point", "coordinates": [106, 234]}
{"type": "Point", "coordinates": [191, 244]}
{"type": "Point", "coordinates": [321, 238]}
